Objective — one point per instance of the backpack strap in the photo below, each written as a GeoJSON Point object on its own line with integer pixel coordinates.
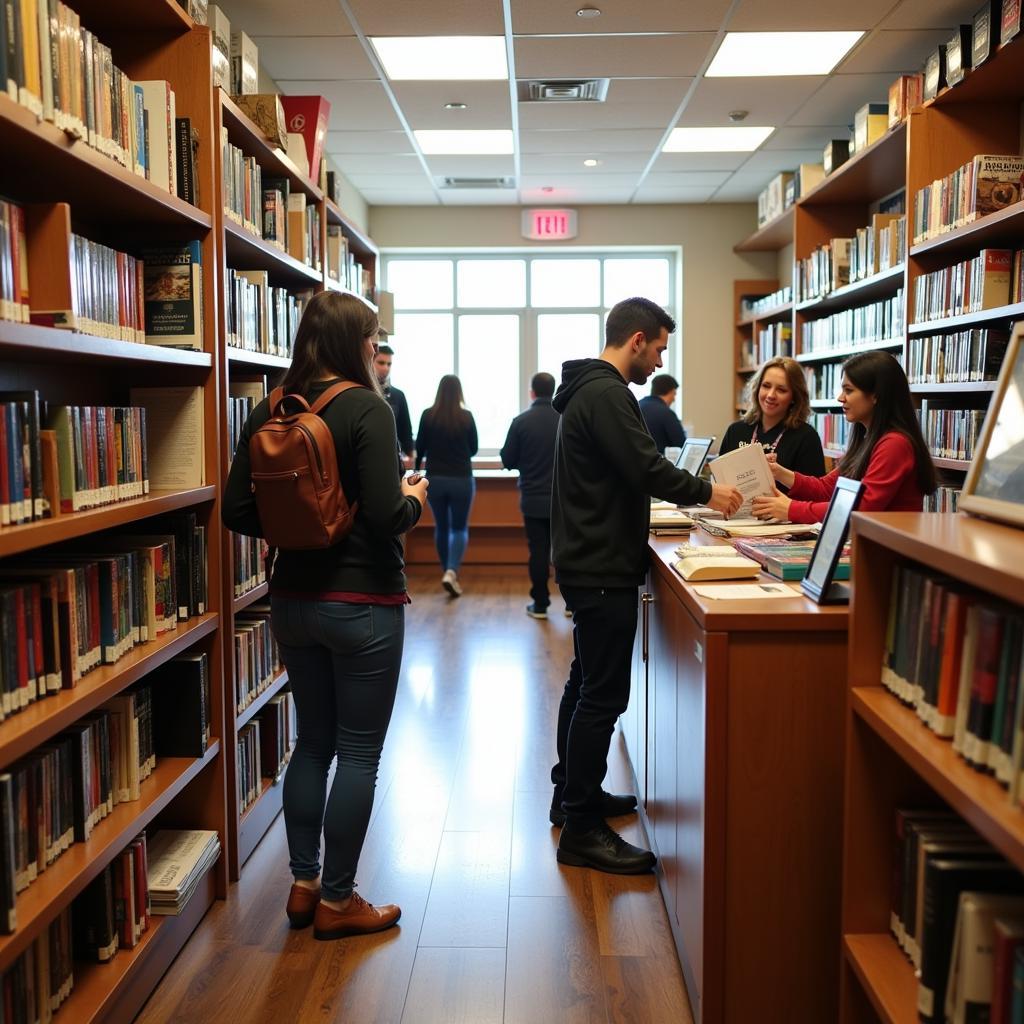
{"type": "Point", "coordinates": [277, 396]}
{"type": "Point", "coordinates": [330, 394]}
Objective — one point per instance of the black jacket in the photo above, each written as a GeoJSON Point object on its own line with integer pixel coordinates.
{"type": "Point", "coordinates": [663, 423]}
{"type": "Point", "coordinates": [606, 469]}
{"type": "Point", "coordinates": [530, 448]}
{"type": "Point", "coordinates": [448, 452]}
{"type": "Point", "coordinates": [799, 448]}
{"type": "Point", "coordinates": [369, 560]}
{"type": "Point", "coordinates": [403, 425]}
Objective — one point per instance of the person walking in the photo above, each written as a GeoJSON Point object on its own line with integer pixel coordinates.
{"type": "Point", "coordinates": [447, 442]}
{"type": "Point", "coordinates": [656, 408]}
{"type": "Point", "coordinates": [530, 448]}
{"type": "Point", "coordinates": [607, 467]}
{"type": "Point", "coordinates": [396, 399]}
{"type": "Point", "coordinates": [338, 614]}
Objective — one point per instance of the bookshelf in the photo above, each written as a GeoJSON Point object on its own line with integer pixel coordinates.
{"type": "Point", "coordinates": [893, 760]}
{"type": "Point", "coordinates": [747, 327]}
{"type": "Point", "coordinates": [111, 205]}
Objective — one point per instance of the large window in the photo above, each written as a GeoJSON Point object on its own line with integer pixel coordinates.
{"type": "Point", "coordinates": [497, 319]}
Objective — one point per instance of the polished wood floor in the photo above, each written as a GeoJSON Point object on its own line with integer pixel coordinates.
{"type": "Point", "coordinates": [493, 929]}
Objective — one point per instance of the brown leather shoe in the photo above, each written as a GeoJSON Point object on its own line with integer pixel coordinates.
{"type": "Point", "coordinates": [358, 918]}
{"type": "Point", "coordinates": [301, 906]}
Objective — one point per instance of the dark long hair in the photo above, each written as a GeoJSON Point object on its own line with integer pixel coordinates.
{"type": "Point", "coordinates": [880, 375]}
{"type": "Point", "coordinates": [799, 410]}
{"type": "Point", "coordinates": [449, 408]}
{"type": "Point", "coordinates": [331, 339]}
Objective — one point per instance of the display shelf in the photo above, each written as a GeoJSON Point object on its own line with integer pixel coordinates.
{"type": "Point", "coordinates": [847, 350]}
{"type": "Point", "coordinates": [260, 360]}
{"type": "Point", "coordinates": [260, 816]}
{"type": "Point", "coordinates": [780, 312]}
{"type": "Point", "coordinates": [1006, 226]}
{"type": "Point", "coordinates": [42, 161]}
{"type": "Point", "coordinates": [773, 236]}
{"type": "Point", "coordinates": [261, 700]}
{"type": "Point", "coordinates": [997, 79]}
{"type": "Point", "coordinates": [885, 283]}
{"type": "Point", "coordinates": [958, 465]}
{"type": "Point", "coordinates": [364, 245]}
{"type": "Point", "coordinates": [82, 862]}
{"type": "Point", "coordinates": [985, 316]}
{"type": "Point", "coordinates": [247, 252]}
{"type": "Point", "coordinates": [30, 342]}
{"type": "Point", "coordinates": [17, 539]}
{"type": "Point", "coordinates": [37, 723]}
{"type": "Point", "coordinates": [250, 597]}
{"type": "Point", "coordinates": [878, 170]}
{"type": "Point", "coordinates": [954, 388]}
{"type": "Point", "coordinates": [886, 975]}
{"type": "Point", "coordinates": [111, 16]}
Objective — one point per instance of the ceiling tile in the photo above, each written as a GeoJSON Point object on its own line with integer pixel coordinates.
{"type": "Point", "coordinates": [381, 165]}
{"type": "Point", "coordinates": [805, 137]}
{"type": "Point", "coordinates": [766, 103]}
{"type": "Point", "coordinates": [631, 103]}
{"type": "Point", "coordinates": [355, 106]}
{"type": "Point", "coordinates": [384, 197]}
{"type": "Point", "coordinates": [533, 17]}
{"type": "Point", "coordinates": [313, 58]}
{"type": "Point", "coordinates": [269, 18]}
{"type": "Point", "coordinates": [685, 179]}
{"type": "Point", "coordinates": [894, 52]}
{"type": "Point", "coordinates": [682, 194]}
{"type": "Point", "coordinates": [488, 104]}
{"type": "Point", "coordinates": [393, 182]}
{"type": "Point", "coordinates": [699, 161]}
{"type": "Point", "coordinates": [740, 187]}
{"type": "Point", "coordinates": [415, 18]}
{"type": "Point", "coordinates": [582, 182]}
{"type": "Point", "coordinates": [539, 163]}
{"type": "Point", "coordinates": [772, 161]}
{"type": "Point", "coordinates": [367, 142]}
{"type": "Point", "coordinates": [471, 166]}
{"type": "Point", "coordinates": [806, 15]}
{"type": "Point", "coordinates": [931, 14]}
{"type": "Point", "coordinates": [611, 56]}
{"type": "Point", "coordinates": [840, 97]}
{"type": "Point", "coordinates": [578, 197]}
{"type": "Point", "coordinates": [479, 197]}
{"type": "Point", "coordinates": [588, 143]}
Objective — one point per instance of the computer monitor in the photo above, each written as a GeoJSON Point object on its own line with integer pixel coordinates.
{"type": "Point", "coordinates": [818, 584]}
{"type": "Point", "coordinates": [694, 452]}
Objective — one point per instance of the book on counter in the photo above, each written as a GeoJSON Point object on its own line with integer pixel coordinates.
{"type": "Point", "coordinates": [703, 568]}
{"type": "Point", "coordinates": [178, 860]}
{"type": "Point", "coordinates": [788, 559]}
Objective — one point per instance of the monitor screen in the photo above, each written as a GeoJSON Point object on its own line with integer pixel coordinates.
{"type": "Point", "coordinates": [832, 536]}
{"type": "Point", "coordinates": [695, 451]}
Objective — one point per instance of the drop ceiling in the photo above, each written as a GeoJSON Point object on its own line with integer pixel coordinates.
{"type": "Point", "coordinates": [654, 52]}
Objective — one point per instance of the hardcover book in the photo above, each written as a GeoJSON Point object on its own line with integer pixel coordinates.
{"type": "Point", "coordinates": [173, 283]}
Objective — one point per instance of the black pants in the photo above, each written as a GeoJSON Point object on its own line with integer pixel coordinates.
{"type": "Point", "coordinates": [596, 693]}
{"type": "Point", "coordinates": [538, 537]}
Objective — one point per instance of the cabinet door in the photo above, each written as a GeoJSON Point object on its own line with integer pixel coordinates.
{"type": "Point", "coordinates": [634, 721]}
{"type": "Point", "coordinates": [664, 613]}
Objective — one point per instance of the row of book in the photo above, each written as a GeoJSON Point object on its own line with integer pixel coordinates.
{"type": "Point", "coordinates": [986, 184]}
{"type": "Point", "coordinates": [943, 499]}
{"type": "Point", "coordinates": [833, 428]}
{"type": "Point", "coordinates": [14, 291]}
{"type": "Point", "coordinates": [823, 380]}
{"type": "Point", "coordinates": [878, 321]}
{"type": "Point", "coordinates": [755, 307]}
{"type": "Point", "coordinates": [36, 985]}
{"type": "Point", "coordinates": [951, 433]}
{"type": "Point", "coordinates": [263, 748]}
{"type": "Point", "coordinates": [970, 355]}
{"type": "Point", "coordinates": [772, 340]}
{"type": "Point", "coordinates": [62, 72]}
{"type": "Point", "coordinates": [250, 562]}
{"type": "Point", "coordinates": [260, 316]}
{"type": "Point", "coordinates": [257, 661]}
{"type": "Point", "coordinates": [970, 286]}
{"type": "Point", "coordinates": [250, 768]}
{"type": "Point", "coordinates": [343, 265]}
{"type": "Point", "coordinates": [788, 559]}
{"type": "Point", "coordinates": [240, 408]}
{"type": "Point", "coordinates": [954, 656]}
{"type": "Point", "coordinates": [957, 912]}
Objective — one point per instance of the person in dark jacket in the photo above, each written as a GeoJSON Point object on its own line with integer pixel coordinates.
{"type": "Point", "coordinates": [657, 412]}
{"type": "Point", "coordinates": [530, 448]}
{"type": "Point", "coordinates": [338, 614]}
{"type": "Point", "coordinates": [447, 441]}
{"type": "Point", "coordinates": [396, 399]}
{"type": "Point", "coordinates": [607, 468]}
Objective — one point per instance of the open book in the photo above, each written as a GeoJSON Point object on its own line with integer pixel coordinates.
{"type": "Point", "coordinates": [747, 470]}
{"type": "Point", "coordinates": [718, 567]}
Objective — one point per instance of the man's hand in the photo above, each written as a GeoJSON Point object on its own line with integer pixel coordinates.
{"type": "Point", "coordinates": [416, 486]}
{"type": "Point", "coordinates": [724, 499]}
{"type": "Point", "coordinates": [774, 506]}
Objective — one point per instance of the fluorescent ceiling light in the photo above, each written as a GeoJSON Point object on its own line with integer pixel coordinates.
{"type": "Point", "coordinates": [764, 54]}
{"type": "Point", "coordinates": [716, 140]}
{"type": "Point", "coordinates": [439, 141]}
{"type": "Point", "coordinates": [442, 58]}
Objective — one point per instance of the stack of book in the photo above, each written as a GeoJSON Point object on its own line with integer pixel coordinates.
{"type": "Point", "coordinates": [260, 316]}
{"type": "Point", "coordinates": [250, 768]}
{"type": "Point", "coordinates": [965, 356]}
{"type": "Point", "coordinates": [951, 433]}
{"type": "Point", "coordinates": [788, 559]}
{"type": "Point", "coordinates": [943, 499]}
{"type": "Point", "coordinates": [343, 266]}
{"type": "Point", "coordinates": [877, 322]}
{"type": "Point", "coordinates": [178, 860]}
{"type": "Point", "coordinates": [754, 307]}
{"type": "Point", "coordinates": [968, 287]}
{"type": "Point", "coordinates": [824, 271]}
{"type": "Point", "coordinates": [242, 186]}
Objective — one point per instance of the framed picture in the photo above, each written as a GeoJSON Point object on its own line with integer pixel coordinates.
{"type": "Point", "coordinates": [995, 482]}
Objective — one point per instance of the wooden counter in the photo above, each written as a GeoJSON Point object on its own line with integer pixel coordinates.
{"type": "Point", "coordinates": [735, 734]}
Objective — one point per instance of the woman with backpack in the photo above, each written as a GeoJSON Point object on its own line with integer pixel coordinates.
{"type": "Point", "coordinates": [337, 594]}
{"type": "Point", "coordinates": [447, 440]}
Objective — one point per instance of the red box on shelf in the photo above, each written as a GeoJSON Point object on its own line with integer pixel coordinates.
{"type": "Point", "coordinates": [308, 115]}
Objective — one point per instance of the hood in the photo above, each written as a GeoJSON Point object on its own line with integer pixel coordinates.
{"type": "Point", "coordinates": [578, 372]}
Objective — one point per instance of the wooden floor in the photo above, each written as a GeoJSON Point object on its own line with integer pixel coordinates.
{"type": "Point", "coordinates": [492, 929]}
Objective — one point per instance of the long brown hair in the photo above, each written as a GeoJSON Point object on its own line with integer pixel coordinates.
{"type": "Point", "coordinates": [799, 410]}
{"type": "Point", "coordinates": [449, 408]}
{"type": "Point", "coordinates": [880, 375]}
{"type": "Point", "coordinates": [331, 339]}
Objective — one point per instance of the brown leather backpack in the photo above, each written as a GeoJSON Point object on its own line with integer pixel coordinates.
{"type": "Point", "coordinates": [295, 474]}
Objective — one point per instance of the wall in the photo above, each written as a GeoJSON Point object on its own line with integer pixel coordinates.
{"type": "Point", "coordinates": [706, 234]}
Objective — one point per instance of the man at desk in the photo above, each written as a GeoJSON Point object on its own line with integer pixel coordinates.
{"type": "Point", "coordinates": [661, 421]}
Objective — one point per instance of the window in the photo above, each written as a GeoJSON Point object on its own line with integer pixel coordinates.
{"type": "Point", "coordinates": [497, 319]}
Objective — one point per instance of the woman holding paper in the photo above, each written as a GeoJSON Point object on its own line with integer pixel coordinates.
{"type": "Point", "coordinates": [886, 449]}
{"type": "Point", "coordinates": [776, 418]}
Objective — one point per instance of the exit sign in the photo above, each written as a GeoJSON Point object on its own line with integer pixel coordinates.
{"type": "Point", "coordinates": [549, 225]}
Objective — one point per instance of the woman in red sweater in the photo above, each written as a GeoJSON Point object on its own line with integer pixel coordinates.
{"type": "Point", "coordinates": [886, 449]}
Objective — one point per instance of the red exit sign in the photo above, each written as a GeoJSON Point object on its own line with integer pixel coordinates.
{"type": "Point", "coordinates": [549, 225]}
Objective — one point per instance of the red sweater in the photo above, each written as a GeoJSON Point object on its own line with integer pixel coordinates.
{"type": "Point", "coordinates": [890, 484]}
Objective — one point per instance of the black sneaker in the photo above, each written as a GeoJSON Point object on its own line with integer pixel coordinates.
{"type": "Point", "coordinates": [536, 613]}
{"type": "Point", "coordinates": [613, 805]}
{"type": "Point", "coordinates": [603, 849]}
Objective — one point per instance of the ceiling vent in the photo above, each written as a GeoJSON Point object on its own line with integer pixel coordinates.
{"type": "Point", "coordinates": [478, 183]}
{"type": "Point", "coordinates": [591, 90]}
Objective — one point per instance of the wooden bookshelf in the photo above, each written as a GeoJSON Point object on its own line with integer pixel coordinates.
{"type": "Point", "coordinates": [877, 286]}
{"type": "Point", "coordinates": [781, 312]}
{"type": "Point", "coordinates": [747, 327]}
{"type": "Point", "coordinates": [247, 252]}
{"type": "Point", "coordinates": [843, 351]}
{"type": "Point", "coordinates": [1006, 226]}
{"type": "Point", "coordinates": [111, 16]}
{"type": "Point", "coordinates": [1008, 314]}
{"type": "Point", "coordinates": [877, 170]}
{"type": "Point", "coordinates": [257, 360]}
{"type": "Point", "coordinates": [250, 597]}
{"type": "Point", "coordinates": [774, 235]}
{"type": "Point", "coordinates": [279, 682]}
{"type": "Point", "coordinates": [893, 760]}
{"type": "Point", "coordinates": [964, 387]}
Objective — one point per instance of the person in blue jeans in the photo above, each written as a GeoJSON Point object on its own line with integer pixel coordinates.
{"type": "Point", "coordinates": [447, 441]}
{"type": "Point", "coordinates": [338, 614]}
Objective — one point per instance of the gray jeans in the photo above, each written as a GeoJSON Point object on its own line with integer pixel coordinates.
{"type": "Point", "coordinates": [343, 662]}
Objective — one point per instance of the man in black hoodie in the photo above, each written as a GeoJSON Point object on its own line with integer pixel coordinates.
{"type": "Point", "coordinates": [606, 469]}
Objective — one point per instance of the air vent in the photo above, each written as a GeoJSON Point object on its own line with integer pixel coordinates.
{"type": "Point", "coordinates": [591, 90]}
{"type": "Point", "coordinates": [478, 183]}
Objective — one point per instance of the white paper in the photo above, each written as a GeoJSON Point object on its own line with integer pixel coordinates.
{"type": "Point", "coordinates": [747, 470]}
{"type": "Point", "coordinates": [746, 591]}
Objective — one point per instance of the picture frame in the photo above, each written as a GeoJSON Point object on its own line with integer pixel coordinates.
{"type": "Point", "coordinates": [994, 488]}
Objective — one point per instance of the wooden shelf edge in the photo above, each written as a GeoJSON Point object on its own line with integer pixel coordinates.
{"type": "Point", "coordinates": [17, 539]}
{"type": "Point", "coordinates": [954, 387]}
{"type": "Point", "coordinates": [959, 465]}
{"type": "Point", "coordinates": [282, 261]}
{"type": "Point", "coordinates": [769, 314]}
{"type": "Point", "coordinates": [79, 865]}
{"type": "Point", "coordinates": [335, 215]}
{"type": "Point", "coordinates": [155, 16]}
{"type": "Point", "coordinates": [885, 974]}
{"type": "Point", "coordinates": [847, 350]}
{"type": "Point", "coordinates": [868, 285]}
{"type": "Point", "coordinates": [1001, 220]}
{"type": "Point", "coordinates": [250, 597]}
{"type": "Point", "coordinates": [26, 730]}
{"type": "Point", "coordinates": [879, 149]}
{"type": "Point", "coordinates": [261, 700]}
{"type": "Point", "coordinates": [1013, 311]}
{"type": "Point", "coordinates": [244, 357]}
{"type": "Point", "coordinates": [772, 237]}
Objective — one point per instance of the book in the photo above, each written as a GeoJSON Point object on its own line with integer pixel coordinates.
{"type": "Point", "coordinates": [747, 470]}
{"type": "Point", "coordinates": [220, 30]}
{"type": "Point", "coordinates": [1007, 938]}
{"type": "Point", "coordinates": [159, 104]}
{"type": "Point", "coordinates": [788, 559]}
{"type": "Point", "coordinates": [178, 860]}
{"type": "Point", "coordinates": [985, 32]}
{"type": "Point", "coordinates": [958, 55]}
{"type": "Point", "coordinates": [1010, 23]}
{"type": "Point", "coordinates": [244, 63]}
{"type": "Point", "coordinates": [174, 425]}
{"type": "Point", "coordinates": [182, 706]}
{"type": "Point", "coordinates": [870, 123]}
{"type": "Point", "coordinates": [718, 568]}
{"type": "Point", "coordinates": [173, 280]}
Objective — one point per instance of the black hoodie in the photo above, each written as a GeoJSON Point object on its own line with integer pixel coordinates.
{"type": "Point", "coordinates": [606, 467]}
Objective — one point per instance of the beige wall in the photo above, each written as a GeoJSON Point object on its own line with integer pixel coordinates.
{"type": "Point", "coordinates": [706, 235]}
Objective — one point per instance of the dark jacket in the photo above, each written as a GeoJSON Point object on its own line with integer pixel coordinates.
{"type": "Point", "coordinates": [403, 425]}
{"type": "Point", "coordinates": [663, 423]}
{"type": "Point", "coordinates": [606, 469]}
{"type": "Point", "coordinates": [369, 560]}
{"type": "Point", "coordinates": [530, 448]}
{"type": "Point", "coordinates": [798, 450]}
{"type": "Point", "coordinates": [449, 452]}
